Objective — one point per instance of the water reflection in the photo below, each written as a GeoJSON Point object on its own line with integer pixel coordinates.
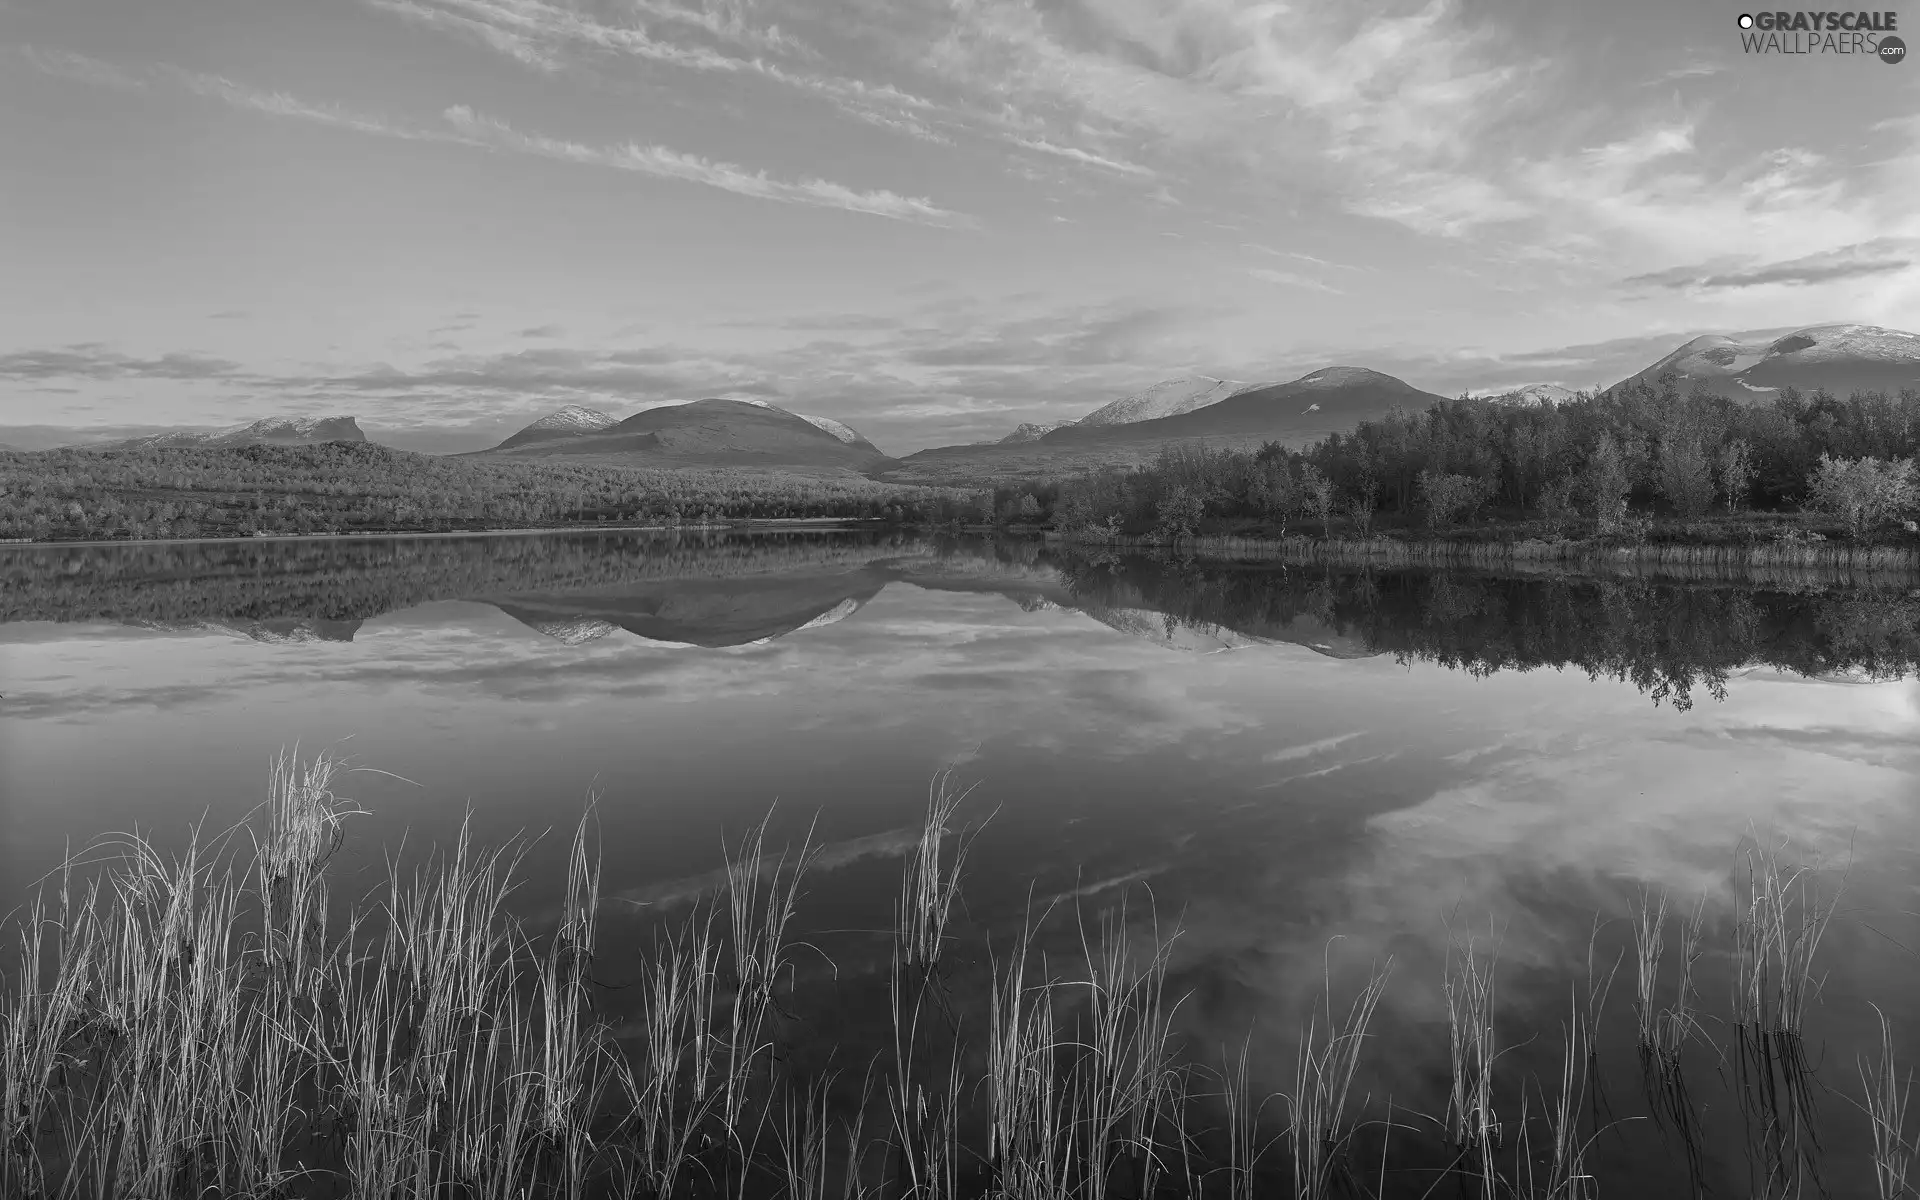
{"type": "Point", "coordinates": [1670, 637]}
{"type": "Point", "coordinates": [1281, 754]}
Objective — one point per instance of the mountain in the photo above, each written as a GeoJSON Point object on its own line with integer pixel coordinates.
{"type": "Point", "coordinates": [571, 421]}
{"type": "Point", "coordinates": [700, 612]}
{"type": "Point", "coordinates": [1534, 393]}
{"type": "Point", "coordinates": [1168, 398]}
{"type": "Point", "coordinates": [270, 431]}
{"type": "Point", "coordinates": [1840, 358]}
{"type": "Point", "coordinates": [1330, 400]}
{"type": "Point", "coordinates": [707, 433]}
{"type": "Point", "coordinates": [1030, 431]}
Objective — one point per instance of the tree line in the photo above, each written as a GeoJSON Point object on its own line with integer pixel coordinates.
{"type": "Point", "coordinates": [1605, 464]}
{"type": "Point", "coordinates": [345, 487]}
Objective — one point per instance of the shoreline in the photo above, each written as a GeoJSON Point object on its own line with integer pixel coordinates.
{"type": "Point", "coordinates": [376, 534]}
{"type": "Point", "coordinates": [1526, 553]}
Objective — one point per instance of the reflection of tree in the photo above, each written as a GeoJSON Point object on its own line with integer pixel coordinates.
{"type": "Point", "coordinates": [1669, 639]}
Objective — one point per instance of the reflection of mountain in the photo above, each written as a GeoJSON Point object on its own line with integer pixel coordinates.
{"type": "Point", "coordinates": [1669, 638]}
{"type": "Point", "coordinates": [276, 630]}
{"type": "Point", "coordinates": [700, 612]}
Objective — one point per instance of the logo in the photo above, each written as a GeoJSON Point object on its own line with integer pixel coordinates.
{"type": "Point", "coordinates": [1868, 34]}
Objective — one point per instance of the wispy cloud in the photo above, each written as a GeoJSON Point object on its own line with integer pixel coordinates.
{"type": "Point", "coordinates": [79, 67]}
{"type": "Point", "coordinates": [1085, 156]}
{"type": "Point", "coordinates": [666, 163]}
{"type": "Point", "coordinates": [464, 126]}
{"type": "Point", "coordinates": [1879, 257]}
{"type": "Point", "coordinates": [281, 104]}
{"type": "Point", "coordinates": [1291, 279]}
{"type": "Point", "coordinates": [550, 37]}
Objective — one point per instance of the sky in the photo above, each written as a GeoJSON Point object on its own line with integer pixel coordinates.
{"type": "Point", "coordinates": [930, 219]}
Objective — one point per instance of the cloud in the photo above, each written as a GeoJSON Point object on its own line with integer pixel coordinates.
{"type": "Point", "coordinates": [542, 331]}
{"type": "Point", "coordinates": [550, 37]}
{"type": "Point", "coordinates": [90, 360]}
{"type": "Point", "coordinates": [473, 129]}
{"type": "Point", "coordinates": [281, 104]}
{"type": "Point", "coordinates": [79, 68]}
{"type": "Point", "coordinates": [1085, 156]}
{"type": "Point", "coordinates": [1878, 257]}
{"type": "Point", "coordinates": [666, 163]}
{"type": "Point", "coordinates": [1291, 279]}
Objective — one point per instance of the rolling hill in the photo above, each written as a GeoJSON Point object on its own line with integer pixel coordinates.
{"type": "Point", "coordinates": [1840, 358]}
{"type": "Point", "coordinates": [703, 433]}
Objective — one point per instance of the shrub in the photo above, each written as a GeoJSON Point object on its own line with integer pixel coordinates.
{"type": "Point", "coordinates": [1863, 493]}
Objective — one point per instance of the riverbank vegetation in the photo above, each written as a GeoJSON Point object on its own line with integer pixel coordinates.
{"type": "Point", "coordinates": [221, 1023]}
{"type": "Point", "coordinates": [1640, 463]}
{"type": "Point", "coordinates": [351, 487]}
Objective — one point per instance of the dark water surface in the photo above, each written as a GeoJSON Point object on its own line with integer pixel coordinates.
{"type": "Point", "coordinates": [1268, 757]}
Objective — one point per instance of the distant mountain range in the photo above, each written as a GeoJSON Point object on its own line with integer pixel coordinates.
{"type": "Point", "coordinates": [269, 431]}
{"type": "Point", "coordinates": [1192, 409]}
{"type": "Point", "coordinates": [1840, 358]}
{"type": "Point", "coordinates": [1533, 393]}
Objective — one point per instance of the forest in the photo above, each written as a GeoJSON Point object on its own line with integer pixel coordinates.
{"type": "Point", "coordinates": [346, 487]}
{"type": "Point", "coordinates": [1636, 461]}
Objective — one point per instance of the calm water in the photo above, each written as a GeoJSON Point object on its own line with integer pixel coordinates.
{"type": "Point", "coordinates": [1270, 757]}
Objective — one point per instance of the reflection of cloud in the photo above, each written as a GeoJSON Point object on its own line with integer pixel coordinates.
{"type": "Point", "coordinates": [1310, 749]}
{"type": "Point", "coordinates": [894, 843]}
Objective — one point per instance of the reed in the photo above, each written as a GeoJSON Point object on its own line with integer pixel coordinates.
{"type": "Point", "coordinates": [1472, 1125]}
{"type": "Point", "coordinates": [1029, 1116]}
{"type": "Point", "coordinates": [928, 888]}
{"type": "Point", "coordinates": [1665, 1029]}
{"type": "Point", "coordinates": [1776, 937]}
{"type": "Point", "coordinates": [198, 1024]}
{"type": "Point", "coordinates": [1319, 1129]}
{"type": "Point", "coordinates": [1885, 1095]}
{"type": "Point", "coordinates": [1649, 927]}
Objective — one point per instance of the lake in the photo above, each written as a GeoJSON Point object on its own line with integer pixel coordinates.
{"type": "Point", "coordinates": [1307, 770]}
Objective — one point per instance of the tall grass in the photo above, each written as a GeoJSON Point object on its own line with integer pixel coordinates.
{"type": "Point", "coordinates": [1320, 1128]}
{"type": "Point", "coordinates": [1777, 934]}
{"type": "Point", "coordinates": [1886, 1097]}
{"type": "Point", "coordinates": [1472, 1125]}
{"type": "Point", "coordinates": [210, 1023]}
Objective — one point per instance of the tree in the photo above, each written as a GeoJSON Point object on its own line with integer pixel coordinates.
{"type": "Point", "coordinates": [1684, 476]}
{"type": "Point", "coordinates": [1029, 509]}
{"type": "Point", "coordinates": [1318, 491]}
{"type": "Point", "coordinates": [1734, 470]}
{"type": "Point", "coordinates": [1447, 498]}
{"type": "Point", "coordinates": [1862, 493]}
{"type": "Point", "coordinates": [1607, 484]}
{"type": "Point", "coordinates": [1179, 512]}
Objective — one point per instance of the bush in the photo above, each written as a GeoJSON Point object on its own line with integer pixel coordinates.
{"type": "Point", "coordinates": [1864, 493]}
{"type": "Point", "coordinates": [1448, 498]}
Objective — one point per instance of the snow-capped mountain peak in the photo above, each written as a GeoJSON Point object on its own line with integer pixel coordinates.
{"type": "Point", "coordinates": [831, 426]}
{"type": "Point", "coordinates": [1168, 398]}
{"type": "Point", "coordinates": [575, 417]}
